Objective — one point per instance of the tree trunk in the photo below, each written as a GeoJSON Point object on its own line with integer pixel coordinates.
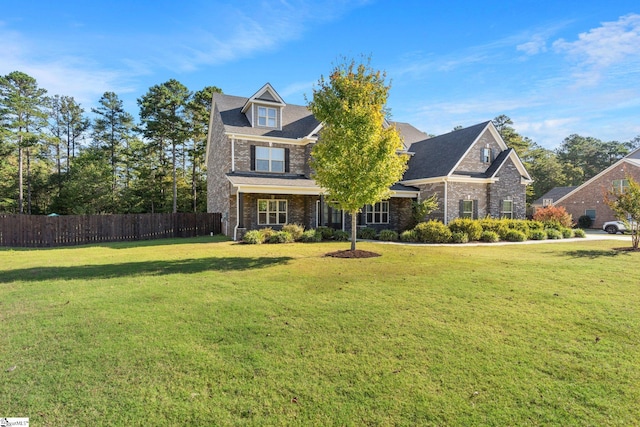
{"type": "Point", "coordinates": [28, 180]}
{"type": "Point", "coordinates": [354, 222]}
{"type": "Point", "coordinates": [175, 182]}
{"type": "Point", "coordinates": [194, 186]}
{"type": "Point", "coordinates": [20, 192]}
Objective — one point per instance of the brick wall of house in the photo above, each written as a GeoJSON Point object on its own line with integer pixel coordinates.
{"type": "Point", "coordinates": [242, 152]}
{"type": "Point", "coordinates": [300, 210]}
{"type": "Point", "coordinates": [592, 196]}
{"type": "Point", "coordinates": [472, 161]}
{"type": "Point", "coordinates": [508, 187]}
{"type": "Point", "coordinates": [428, 190]}
{"type": "Point", "coordinates": [465, 191]}
{"type": "Point", "coordinates": [218, 164]}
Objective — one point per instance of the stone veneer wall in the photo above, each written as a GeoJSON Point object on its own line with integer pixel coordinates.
{"type": "Point", "coordinates": [465, 191]}
{"type": "Point", "coordinates": [429, 190]}
{"type": "Point", "coordinates": [509, 186]}
{"type": "Point", "coordinates": [472, 162]}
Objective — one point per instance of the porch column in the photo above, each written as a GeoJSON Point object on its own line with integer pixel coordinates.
{"type": "Point", "coordinates": [240, 210]}
{"type": "Point", "coordinates": [320, 213]}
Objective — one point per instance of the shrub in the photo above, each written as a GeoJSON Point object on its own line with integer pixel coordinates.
{"type": "Point", "coordinates": [489, 236]}
{"type": "Point", "coordinates": [535, 225]}
{"type": "Point", "coordinates": [253, 237]}
{"type": "Point", "coordinates": [579, 232]}
{"type": "Point", "coordinates": [432, 232]}
{"type": "Point", "coordinates": [554, 234]}
{"type": "Point", "coordinates": [388, 236]}
{"type": "Point", "coordinates": [537, 234]}
{"type": "Point", "coordinates": [515, 236]}
{"type": "Point", "coordinates": [567, 233]}
{"type": "Point", "coordinates": [341, 236]}
{"type": "Point", "coordinates": [295, 230]}
{"type": "Point", "coordinates": [325, 232]}
{"type": "Point", "coordinates": [585, 221]}
{"type": "Point", "coordinates": [280, 237]}
{"type": "Point", "coordinates": [367, 233]}
{"type": "Point", "coordinates": [470, 227]}
{"type": "Point", "coordinates": [311, 236]}
{"type": "Point", "coordinates": [409, 236]}
{"type": "Point", "coordinates": [460, 237]}
{"type": "Point", "coordinates": [267, 233]}
{"type": "Point", "coordinates": [553, 214]}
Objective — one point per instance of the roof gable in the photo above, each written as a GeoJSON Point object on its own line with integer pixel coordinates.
{"type": "Point", "coordinates": [502, 159]}
{"type": "Point", "coordinates": [266, 95]}
{"type": "Point", "coordinates": [635, 162]}
{"type": "Point", "coordinates": [439, 156]}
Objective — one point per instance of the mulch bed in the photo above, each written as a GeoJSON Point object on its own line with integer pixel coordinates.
{"type": "Point", "coordinates": [627, 249]}
{"type": "Point", "coordinates": [352, 254]}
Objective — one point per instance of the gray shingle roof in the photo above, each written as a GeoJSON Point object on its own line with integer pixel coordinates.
{"type": "Point", "coordinates": [410, 134]}
{"type": "Point", "coordinates": [297, 120]}
{"type": "Point", "coordinates": [438, 156]}
{"type": "Point", "coordinates": [554, 194]}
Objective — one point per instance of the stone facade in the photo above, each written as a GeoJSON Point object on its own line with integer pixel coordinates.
{"type": "Point", "coordinates": [509, 187]}
{"type": "Point", "coordinates": [592, 195]}
{"type": "Point", "coordinates": [472, 163]}
{"type": "Point", "coordinates": [218, 164]}
{"type": "Point", "coordinates": [297, 155]}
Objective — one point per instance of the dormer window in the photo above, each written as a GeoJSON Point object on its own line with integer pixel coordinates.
{"type": "Point", "coordinates": [267, 117]}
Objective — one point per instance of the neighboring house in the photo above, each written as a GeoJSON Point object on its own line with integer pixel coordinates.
{"type": "Point", "coordinates": [551, 196]}
{"type": "Point", "coordinates": [589, 198]}
{"type": "Point", "coordinates": [258, 172]}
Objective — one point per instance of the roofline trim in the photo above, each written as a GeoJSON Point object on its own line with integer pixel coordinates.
{"type": "Point", "coordinates": [580, 187]}
{"type": "Point", "coordinates": [262, 138]}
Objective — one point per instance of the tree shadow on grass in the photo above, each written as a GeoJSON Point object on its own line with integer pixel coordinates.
{"type": "Point", "coordinates": [145, 268]}
{"type": "Point", "coordinates": [594, 253]}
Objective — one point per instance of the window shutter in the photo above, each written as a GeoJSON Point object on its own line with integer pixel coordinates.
{"type": "Point", "coordinates": [253, 158]}
{"type": "Point", "coordinates": [286, 160]}
{"type": "Point", "coordinates": [475, 209]}
{"type": "Point", "coordinates": [461, 208]}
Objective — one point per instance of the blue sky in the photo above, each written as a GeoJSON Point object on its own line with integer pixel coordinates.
{"type": "Point", "coordinates": [555, 67]}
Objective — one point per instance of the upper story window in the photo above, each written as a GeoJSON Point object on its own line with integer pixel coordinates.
{"type": "Point", "coordinates": [267, 117]}
{"type": "Point", "coordinates": [485, 155]}
{"type": "Point", "coordinates": [547, 202]}
{"type": "Point", "coordinates": [269, 159]}
{"type": "Point", "coordinates": [620, 185]}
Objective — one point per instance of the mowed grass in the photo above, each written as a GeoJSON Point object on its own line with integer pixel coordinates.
{"type": "Point", "coordinates": [206, 332]}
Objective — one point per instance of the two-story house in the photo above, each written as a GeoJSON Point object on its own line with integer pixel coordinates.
{"type": "Point", "coordinates": [258, 171]}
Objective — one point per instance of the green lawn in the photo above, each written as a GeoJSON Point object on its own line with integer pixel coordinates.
{"type": "Point", "coordinates": [202, 332]}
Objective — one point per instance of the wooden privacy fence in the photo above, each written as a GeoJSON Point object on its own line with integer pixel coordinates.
{"type": "Point", "coordinates": [70, 230]}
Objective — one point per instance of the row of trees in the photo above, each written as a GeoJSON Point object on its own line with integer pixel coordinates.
{"type": "Point", "coordinates": [54, 158]}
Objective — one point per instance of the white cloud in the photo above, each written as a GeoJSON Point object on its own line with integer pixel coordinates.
{"type": "Point", "coordinates": [600, 48]}
{"type": "Point", "coordinates": [536, 45]}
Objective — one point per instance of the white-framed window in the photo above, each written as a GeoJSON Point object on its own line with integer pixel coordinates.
{"type": "Point", "coordinates": [269, 159]}
{"type": "Point", "coordinates": [591, 213]}
{"type": "Point", "coordinates": [507, 209]}
{"type": "Point", "coordinates": [272, 211]}
{"type": "Point", "coordinates": [486, 155]}
{"type": "Point", "coordinates": [620, 185]}
{"type": "Point", "coordinates": [378, 213]}
{"type": "Point", "coordinates": [267, 117]}
{"type": "Point", "coordinates": [547, 202]}
{"type": "Point", "coordinates": [466, 210]}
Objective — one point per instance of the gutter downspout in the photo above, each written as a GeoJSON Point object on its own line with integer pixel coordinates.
{"type": "Point", "coordinates": [446, 197]}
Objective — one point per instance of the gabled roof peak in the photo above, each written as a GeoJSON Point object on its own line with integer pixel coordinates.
{"type": "Point", "coordinates": [266, 94]}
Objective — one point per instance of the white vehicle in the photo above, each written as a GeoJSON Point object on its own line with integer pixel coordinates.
{"type": "Point", "coordinates": [613, 227]}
